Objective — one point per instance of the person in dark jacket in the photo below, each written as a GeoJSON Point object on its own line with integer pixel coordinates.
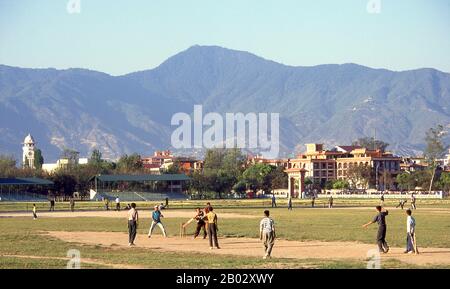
{"type": "Point", "coordinates": [380, 218]}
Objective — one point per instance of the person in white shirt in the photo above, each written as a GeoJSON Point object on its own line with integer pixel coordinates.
{"type": "Point", "coordinates": [133, 220]}
{"type": "Point", "coordinates": [411, 246]}
{"type": "Point", "coordinates": [267, 234]}
{"type": "Point", "coordinates": [117, 203]}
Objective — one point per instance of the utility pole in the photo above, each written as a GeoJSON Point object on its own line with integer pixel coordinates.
{"type": "Point", "coordinates": [376, 175]}
{"type": "Point", "coordinates": [374, 137]}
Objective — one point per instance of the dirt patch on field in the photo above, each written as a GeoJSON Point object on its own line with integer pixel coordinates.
{"type": "Point", "coordinates": [121, 214]}
{"type": "Point", "coordinates": [253, 247]}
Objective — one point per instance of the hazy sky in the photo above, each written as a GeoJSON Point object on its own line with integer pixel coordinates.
{"type": "Point", "coordinates": [118, 37]}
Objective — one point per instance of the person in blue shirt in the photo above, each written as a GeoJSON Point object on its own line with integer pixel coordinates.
{"type": "Point", "coordinates": [274, 201]}
{"type": "Point", "coordinates": [156, 221]}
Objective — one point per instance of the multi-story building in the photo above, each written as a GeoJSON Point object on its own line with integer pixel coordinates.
{"type": "Point", "coordinates": [412, 164]}
{"type": "Point", "coordinates": [163, 160]}
{"type": "Point", "coordinates": [326, 165]}
{"type": "Point", "coordinates": [251, 160]}
{"type": "Point", "coordinates": [158, 159]}
{"type": "Point", "coordinates": [186, 164]}
{"type": "Point", "coordinates": [320, 165]}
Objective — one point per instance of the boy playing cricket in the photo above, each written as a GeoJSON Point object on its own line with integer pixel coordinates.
{"type": "Point", "coordinates": [34, 212]}
{"type": "Point", "coordinates": [267, 234]}
{"type": "Point", "coordinates": [156, 221]}
{"type": "Point", "coordinates": [211, 218]}
{"type": "Point", "coordinates": [411, 246]}
{"type": "Point", "coordinates": [199, 217]}
{"type": "Point", "coordinates": [133, 220]}
{"type": "Point", "coordinates": [380, 218]}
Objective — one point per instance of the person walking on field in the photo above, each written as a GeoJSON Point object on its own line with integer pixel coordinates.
{"type": "Point", "coordinates": [401, 204]}
{"type": "Point", "coordinates": [52, 204]}
{"type": "Point", "coordinates": [106, 202]}
{"type": "Point", "coordinates": [117, 203]}
{"type": "Point", "coordinates": [72, 204]}
{"type": "Point", "coordinates": [267, 234]}
{"type": "Point", "coordinates": [211, 218]}
{"type": "Point", "coordinates": [156, 221]}
{"type": "Point", "coordinates": [289, 203]}
{"type": "Point", "coordinates": [330, 202]}
{"type": "Point", "coordinates": [413, 202]}
{"type": "Point", "coordinates": [411, 245]}
{"type": "Point", "coordinates": [274, 201]}
{"type": "Point", "coordinates": [382, 199]}
{"type": "Point", "coordinates": [34, 212]}
{"type": "Point", "coordinates": [380, 218]}
{"type": "Point", "coordinates": [133, 221]}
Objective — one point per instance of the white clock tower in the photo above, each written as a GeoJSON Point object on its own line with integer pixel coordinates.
{"type": "Point", "coordinates": [28, 151]}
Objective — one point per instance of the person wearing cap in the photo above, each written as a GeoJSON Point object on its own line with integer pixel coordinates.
{"type": "Point", "coordinates": [156, 221]}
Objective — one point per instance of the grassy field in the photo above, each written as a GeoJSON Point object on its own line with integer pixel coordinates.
{"type": "Point", "coordinates": [21, 237]}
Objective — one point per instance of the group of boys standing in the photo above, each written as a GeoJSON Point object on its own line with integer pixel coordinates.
{"type": "Point", "coordinates": [206, 219]}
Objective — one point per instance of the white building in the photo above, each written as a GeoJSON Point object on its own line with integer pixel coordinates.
{"type": "Point", "coordinates": [62, 163]}
{"type": "Point", "coordinates": [28, 151]}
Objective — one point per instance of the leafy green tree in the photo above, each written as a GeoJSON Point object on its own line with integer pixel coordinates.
{"type": "Point", "coordinates": [7, 166]}
{"type": "Point", "coordinates": [64, 183]}
{"type": "Point", "coordinates": [257, 177]}
{"type": "Point", "coordinates": [38, 159]}
{"type": "Point", "coordinates": [359, 175]}
{"type": "Point", "coordinates": [329, 184]}
{"type": "Point", "coordinates": [199, 183]}
{"type": "Point", "coordinates": [308, 181]}
{"type": "Point", "coordinates": [240, 187]}
{"type": "Point", "coordinates": [129, 164]}
{"type": "Point", "coordinates": [278, 178]}
{"type": "Point", "coordinates": [405, 181]}
{"type": "Point", "coordinates": [96, 157]}
{"type": "Point", "coordinates": [444, 181]}
{"type": "Point", "coordinates": [340, 185]}
{"type": "Point", "coordinates": [222, 169]}
{"type": "Point", "coordinates": [435, 150]}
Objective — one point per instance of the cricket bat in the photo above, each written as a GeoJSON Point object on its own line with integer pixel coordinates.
{"type": "Point", "coordinates": [414, 241]}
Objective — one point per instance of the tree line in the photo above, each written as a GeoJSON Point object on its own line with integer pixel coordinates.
{"type": "Point", "coordinates": [227, 170]}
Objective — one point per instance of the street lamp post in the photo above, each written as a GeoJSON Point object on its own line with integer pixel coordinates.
{"type": "Point", "coordinates": [376, 175]}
